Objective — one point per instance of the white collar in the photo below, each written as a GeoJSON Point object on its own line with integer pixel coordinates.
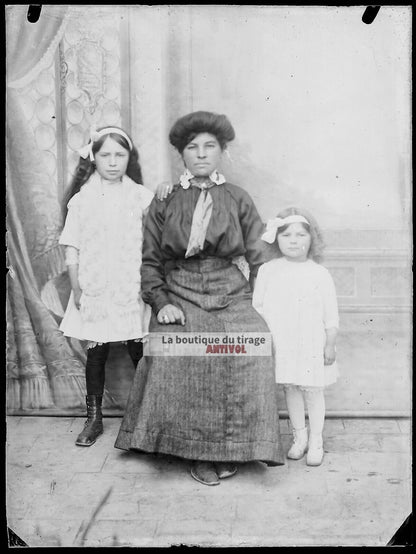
{"type": "Point", "coordinates": [185, 178]}
{"type": "Point", "coordinates": [94, 185]}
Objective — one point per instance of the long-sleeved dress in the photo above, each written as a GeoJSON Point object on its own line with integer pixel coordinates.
{"type": "Point", "coordinates": [221, 408]}
{"type": "Point", "coordinates": [298, 301]}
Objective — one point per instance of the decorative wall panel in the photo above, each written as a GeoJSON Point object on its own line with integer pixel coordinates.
{"type": "Point", "coordinates": [388, 282]}
{"type": "Point", "coordinates": [344, 278]}
{"type": "Point", "coordinates": [369, 279]}
{"type": "Point", "coordinates": [91, 79]}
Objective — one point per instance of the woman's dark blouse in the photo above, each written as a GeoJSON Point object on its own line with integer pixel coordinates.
{"type": "Point", "coordinates": [234, 229]}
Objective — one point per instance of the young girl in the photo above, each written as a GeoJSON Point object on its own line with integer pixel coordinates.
{"type": "Point", "coordinates": [103, 238]}
{"type": "Point", "coordinates": [296, 297]}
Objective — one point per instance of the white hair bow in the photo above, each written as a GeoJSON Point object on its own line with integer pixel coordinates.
{"type": "Point", "coordinates": [86, 150]}
{"type": "Point", "coordinates": [273, 225]}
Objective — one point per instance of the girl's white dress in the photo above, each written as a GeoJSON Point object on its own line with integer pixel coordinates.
{"type": "Point", "coordinates": [104, 223]}
{"type": "Point", "coordinates": [298, 302]}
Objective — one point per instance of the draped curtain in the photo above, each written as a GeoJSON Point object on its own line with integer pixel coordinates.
{"type": "Point", "coordinates": [44, 369]}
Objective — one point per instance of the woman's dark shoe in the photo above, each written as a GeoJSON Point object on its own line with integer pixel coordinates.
{"type": "Point", "coordinates": [93, 427]}
{"type": "Point", "coordinates": [205, 473]}
{"type": "Point", "coordinates": [225, 469]}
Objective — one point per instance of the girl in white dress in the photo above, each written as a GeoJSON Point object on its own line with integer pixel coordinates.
{"type": "Point", "coordinates": [103, 238]}
{"type": "Point", "coordinates": [296, 296]}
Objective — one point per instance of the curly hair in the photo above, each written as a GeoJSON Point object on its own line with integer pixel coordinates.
{"type": "Point", "coordinates": [86, 167]}
{"type": "Point", "coordinates": [317, 242]}
{"type": "Point", "coordinates": [189, 126]}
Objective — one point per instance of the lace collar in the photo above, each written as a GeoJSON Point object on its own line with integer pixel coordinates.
{"type": "Point", "coordinates": [215, 177]}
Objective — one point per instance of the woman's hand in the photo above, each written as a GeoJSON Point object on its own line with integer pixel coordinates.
{"type": "Point", "coordinates": [77, 297]}
{"type": "Point", "coordinates": [171, 314]}
{"type": "Point", "coordinates": [163, 190]}
{"type": "Point", "coordinates": [329, 354]}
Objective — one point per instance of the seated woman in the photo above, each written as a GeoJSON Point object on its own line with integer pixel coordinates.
{"type": "Point", "coordinates": [214, 410]}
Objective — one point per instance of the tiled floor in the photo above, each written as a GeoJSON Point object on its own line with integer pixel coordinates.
{"type": "Point", "coordinates": [59, 494]}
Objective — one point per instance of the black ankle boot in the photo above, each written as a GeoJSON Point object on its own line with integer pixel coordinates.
{"type": "Point", "coordinates": [93, 427]}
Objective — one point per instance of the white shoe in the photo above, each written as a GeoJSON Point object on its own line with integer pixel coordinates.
{"type": "Point", "coordinates": [315, 451]}
{"type": "Point", "coordinates": [300, 444]}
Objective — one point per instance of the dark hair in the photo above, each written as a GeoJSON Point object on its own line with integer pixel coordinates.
{"type": "Point", "coordinates": [86, 167]}
{"type": "Point", "coordinates": [189, 126]}
{"type": "Point", "coordinates": [317, 243]}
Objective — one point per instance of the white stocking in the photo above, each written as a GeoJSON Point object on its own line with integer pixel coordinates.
{"type": "Point", "coordinates": [295, 406]}
{"type": "Point", "coordinates": [315, 401]}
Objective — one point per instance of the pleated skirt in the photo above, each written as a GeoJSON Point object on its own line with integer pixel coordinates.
{"type": "Point", "coordinates": [215, 408]}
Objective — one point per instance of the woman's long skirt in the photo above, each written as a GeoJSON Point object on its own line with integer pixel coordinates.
{"type": "Point", "coordinates": [212, 407]}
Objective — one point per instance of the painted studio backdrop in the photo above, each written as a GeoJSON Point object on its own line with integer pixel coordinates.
{"type": "Point", "coordinates": [320, 103]}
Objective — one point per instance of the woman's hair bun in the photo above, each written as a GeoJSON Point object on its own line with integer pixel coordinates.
{"type": "Point", "coordinates": [187, 127]}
